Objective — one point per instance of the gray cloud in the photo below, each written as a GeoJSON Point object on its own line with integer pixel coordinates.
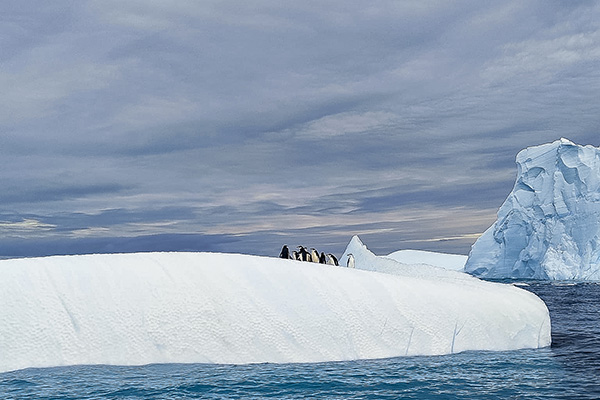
{"type": "Point", "coordinates": [268, 123]}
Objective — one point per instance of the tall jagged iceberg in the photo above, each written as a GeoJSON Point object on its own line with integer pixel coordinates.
{"type": "Point", "coordinates": [549, 226]}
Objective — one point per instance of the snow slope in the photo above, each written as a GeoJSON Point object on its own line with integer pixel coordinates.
{"type": "Point", "coordinates": [455, 262]}
{"type": "Point", "coordinates": [549, 226]}
{"type": "Point", "coordinates": [133, 309]}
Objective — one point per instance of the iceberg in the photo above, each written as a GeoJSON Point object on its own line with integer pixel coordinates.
{"type": "Point", "coordinates": [549, 226]}
{"type": "Point", "coordinates": [143, 308]}
{"type": "Point", "coordinates": [455, 262]}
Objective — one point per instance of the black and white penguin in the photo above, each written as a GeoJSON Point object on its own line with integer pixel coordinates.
{"type": "Point", "coordinates": [295, 255]}
{"type": "Point", "coordinates": [332, 260]}
{"type": "Point", "coordinates": [303, 253]}
{"type": "Point", "coordinates": [322, 258]}
{"type": "Point", "coordinates": [314, 255]}
{"type": "Point", "coordinates": [350, 262]}
{"type": "Point", "coordinates": [285, 252]}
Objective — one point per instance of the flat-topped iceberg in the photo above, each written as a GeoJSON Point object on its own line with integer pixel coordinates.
{"type": "Point", "coordinates": [549, 226]}
{"type": "Point", "coordinates": [455, 262]}
{"type": "Point", "coordinates": [133, 309]}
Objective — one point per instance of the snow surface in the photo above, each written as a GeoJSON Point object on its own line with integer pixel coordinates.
{"type": "Point", "coordinates": [134, 309]}
{"type": "Point", "coordinates": [455, 262]}
{"type": "Point", "coordinates": [549, 226]}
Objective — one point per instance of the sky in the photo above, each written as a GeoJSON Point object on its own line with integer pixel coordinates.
{"type": "Point", "coordinates": [230, 126]}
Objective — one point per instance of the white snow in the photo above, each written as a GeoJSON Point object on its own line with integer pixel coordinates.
{"type": "Point", "coordinates": [133, 309]}
{"type": "Point", "coordinates": [455, 262]}
{"type": "Point", "coordinates": [549, 226]}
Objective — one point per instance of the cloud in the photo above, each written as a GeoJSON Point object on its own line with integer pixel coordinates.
{"type": "Point", "coordinates": [155, 111]}
{"type": "Point", "coordinates": [47, 193]}
{"type": "Point", "coordinates": [33, 247]}
{"type": "Point", "coordinates": [26, 228]}
{"type": "Point", "coordinates": [541, 60]}
{"type": "Point", "coordinates": [346, 124]}
{"type": "Point", "coordinates": [254, 124]}
{"type": "Point", "coordinates": [468, 236]}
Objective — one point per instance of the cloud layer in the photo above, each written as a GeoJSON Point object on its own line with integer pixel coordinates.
{"type": "Point", "coordinates": [249, 126]}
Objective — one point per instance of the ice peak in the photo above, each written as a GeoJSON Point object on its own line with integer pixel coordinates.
{"type": "Point", "coordinates": [356, 242]}
{"type": "Point", "coordinates": [565, 141]}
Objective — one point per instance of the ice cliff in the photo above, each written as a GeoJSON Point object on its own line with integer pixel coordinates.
{"type": "Point", "coordinates": [132, 309]}
{"type": "Point", "coordinates": [549, 226]}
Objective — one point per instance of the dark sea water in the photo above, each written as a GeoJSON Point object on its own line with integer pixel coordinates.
{"type": "Point", "coordinates": [570, 369]}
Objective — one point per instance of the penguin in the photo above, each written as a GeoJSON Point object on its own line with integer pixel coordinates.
{"type": "Point", "coordinates": [285, 252]}
{"type": "Point", "coordinates": [303, 253]}
{"type": "Point", "coordinates": [314, 255]}
{"type": "Point", "coordinates": [350, 263]}
{"type": "Point", "coordinates": [332, 260]}
{"type": "Point", "coordinates": [295, 255]}
{"type": "Point", "coordinates": [322, 258]}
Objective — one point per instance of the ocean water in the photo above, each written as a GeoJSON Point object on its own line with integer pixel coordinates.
{"type": "Point", "coordinates": [569, 369]}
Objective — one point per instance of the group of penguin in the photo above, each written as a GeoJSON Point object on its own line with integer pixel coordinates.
{"type": "Point", "coordinates": [302, 254]}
